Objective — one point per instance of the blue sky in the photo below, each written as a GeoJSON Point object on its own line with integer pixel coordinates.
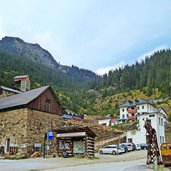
{"type": "Point", "coordinates": [93, 34]}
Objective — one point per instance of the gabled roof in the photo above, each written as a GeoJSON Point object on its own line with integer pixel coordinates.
{"type": "Point", "coordinates": [20, 76]}
{"type": "Point", "coordinates": [136, 102]}
{"type": "Point", "coordinates": [22, 98]}
{"type": "Point", "coordinates": [10, 89]}
{"type": "Point", "coordinates": [75, 129]}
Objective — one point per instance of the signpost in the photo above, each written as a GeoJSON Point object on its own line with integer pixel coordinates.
{"type": "Point", "coordinates": [50, 135]}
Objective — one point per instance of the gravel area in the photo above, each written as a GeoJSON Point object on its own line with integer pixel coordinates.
{"type": "Point", "coordinates": [134, 155]}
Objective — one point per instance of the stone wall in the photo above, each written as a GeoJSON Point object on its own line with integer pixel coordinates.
{"type": "Point", "coordinates": [13, 126]}
{"type": "Point", "coordinates": [38, 124]}
{"type": "Point", "coordinates": [26, 127]}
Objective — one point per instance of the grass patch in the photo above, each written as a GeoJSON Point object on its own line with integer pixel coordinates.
{"type": "Point", "coordinates": [168, 136]}
{"type": "Point", "coordinates": [158, 167]}
{"type": "Point", "coordinates": [93, 158]}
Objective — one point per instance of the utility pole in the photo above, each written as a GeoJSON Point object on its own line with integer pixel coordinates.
{"type": "Point", "coordinates": [44, 149]}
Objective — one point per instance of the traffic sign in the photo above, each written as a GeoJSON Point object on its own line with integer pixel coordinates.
{"type": "Point", "coordinates": [50, 135]}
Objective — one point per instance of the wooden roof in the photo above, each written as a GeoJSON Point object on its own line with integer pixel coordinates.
{"type": "Point", "coordinates": [24, 98]}
{"type": "Point", "coordinates": [21, 99]}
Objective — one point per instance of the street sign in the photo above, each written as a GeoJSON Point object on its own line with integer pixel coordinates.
{"type": "Point", "coordinates": [47, 148]}
{"type": "Point", "coordinates": [37, 145]}
{"type": "Point", "coordinates": [50, 135]}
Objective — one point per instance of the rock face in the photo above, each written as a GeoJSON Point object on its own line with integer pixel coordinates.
{"type": "Point", "coordinates": [28, 50]}
{"type": "Point", "coordinates": [39, 55]}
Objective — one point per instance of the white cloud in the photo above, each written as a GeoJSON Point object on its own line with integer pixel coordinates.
{"type": "Point", "coordinates": [46, 40]}
{"type": "Point", "coordinates": [148, 54]}
{"type": "Point", "coordinates": [105, 70]}
{"type": "Point", "coordinates": [2, 32]}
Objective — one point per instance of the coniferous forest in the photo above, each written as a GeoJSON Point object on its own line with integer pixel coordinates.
{"type": "Point", "coordinates": [153, 72]}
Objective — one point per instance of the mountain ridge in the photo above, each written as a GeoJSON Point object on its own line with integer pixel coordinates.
{"type": "Point", "coordinates": [39, 55]}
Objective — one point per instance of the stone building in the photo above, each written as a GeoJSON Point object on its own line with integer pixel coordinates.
{"type": "Point", "coordinates": [5, 92]}
{"type": "Point", "coordinates": [26, 117]}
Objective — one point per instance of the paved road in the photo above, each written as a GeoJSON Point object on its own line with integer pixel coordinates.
{"type": "Point", "coordinates": [45, 165]}
{"type": "Point", "coordinates": [137, 165]}
{"type": "Point", "coordinates": [132, 161]}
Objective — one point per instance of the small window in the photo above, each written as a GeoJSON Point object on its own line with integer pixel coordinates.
{"type": "Point", "coordinates": [123, 116]}
{"type": "Point", "coordinates": [129, 141]}
{"type": "Point", "coordinates": [1, 91]}
{"type": "Point", "coordinates": [138, 107]}
{"type": "Point", "coordinates": [142, 107]}
{"type": "Point", "coordinates": [161, 121]}
{"type": "Point", "coordinates": [47, 105]}
{"type": "Point", "coordinates": [122, 110]}
{"type": "Point", "coordinates": [151, 115]}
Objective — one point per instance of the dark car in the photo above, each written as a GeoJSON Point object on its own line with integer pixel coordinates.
{"type": "Point", "coordinates": [143, 146]}
{"type": "Point", "coordinates": [133, 146]}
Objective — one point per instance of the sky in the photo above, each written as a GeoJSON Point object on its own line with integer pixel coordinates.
{"type": "Point", "coordinates": [99, 35]}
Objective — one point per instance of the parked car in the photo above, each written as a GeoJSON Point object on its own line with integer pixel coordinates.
{"type": "Point", "coordinates": [129, 146]}
{"type": "Point", "coordinates": [143, 146]}
{"type": "Point", "coordinates": [133, 146]}
{"type": "Point", "coordinates": [138, 146]}
{"type": "Point", "coordinates": [124, 146]}
{"type": "Point", "coordinates": [111, 149]}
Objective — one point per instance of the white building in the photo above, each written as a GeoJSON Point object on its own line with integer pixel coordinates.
{"type": "Point", "coordinates": [106, 122]}
{"type": "Point", "coordinates": [132, 109]}
{"type": "Point", "coordinates": [141, 110]}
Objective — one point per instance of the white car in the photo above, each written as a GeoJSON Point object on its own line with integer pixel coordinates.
{"type": "Point", "coordinates": [138, 146]}
{"type": "Point", "coordinates": [129, 146]}
{"type": "Point", "coordinates": [111, 149]}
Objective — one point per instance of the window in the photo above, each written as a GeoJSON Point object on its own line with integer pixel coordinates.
{"type": "Point", "coordinates": [138, 107]}
{"type": "Point", "coordinates": [47, 105]}
{"type": "Point", "coordinates": [1, 91]}
{"type": "Point", "coordinates": [161, 121]}
{"type": "Point", "coordinates": [148, 120]}
{"type": "Point", "coordinates": [130, 140]}
{"type": "Point", "coordinates": [123, 116]}
{"type": "Point", "coordinates": [142, 107]}
{"type": "Point", "coordinates": [151, 115]}
{"type": "Point", "coordinates": [122, 110]}
{"type": "Point", "coordinates": [161, 139]}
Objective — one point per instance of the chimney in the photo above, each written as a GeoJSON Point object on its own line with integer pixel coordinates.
{"type": "Point", "coordinates": [23, 81]}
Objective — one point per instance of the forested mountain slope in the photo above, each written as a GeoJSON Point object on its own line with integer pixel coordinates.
{"type": "Point", "coordinates": [153, 72]}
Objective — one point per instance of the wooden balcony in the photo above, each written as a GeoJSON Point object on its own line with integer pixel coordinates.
{"type": "Point", "coordinates": [132, 110]}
